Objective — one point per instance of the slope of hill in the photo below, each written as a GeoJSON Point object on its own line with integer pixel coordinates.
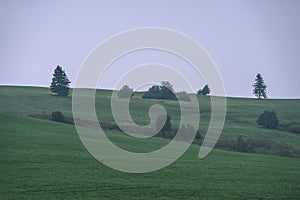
{"type": "Point", "coordinates": [44, 159]}
{"type": "Point", "coordinates": [240, 119]}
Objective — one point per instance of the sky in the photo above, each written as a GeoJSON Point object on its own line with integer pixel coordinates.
{"type": "Point", "coordinates": [243, 38]}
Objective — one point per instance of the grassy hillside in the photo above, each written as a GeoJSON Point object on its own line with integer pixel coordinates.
{"type": "Point", "coordinates": [44, 159]}
{"type": "Point", "coordinates": [240, 120]}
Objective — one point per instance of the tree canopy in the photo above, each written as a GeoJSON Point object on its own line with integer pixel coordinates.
{"type": "Point", "coordinates": [204, 91]}
{"type": "Point", "coordinates": [163, 91]}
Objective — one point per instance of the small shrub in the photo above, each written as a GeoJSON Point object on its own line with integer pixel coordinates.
{"type": "Point", "coordinates": [163, 124]}
{"type": "Point", "coordinates": [57, 116]}
{"type": "Point", "coordinates": [268, 119]}
{"type": "Point", "coordinates": [226, 144]}
{"type": "Point", "coordinates": [295, 128]}
{"type": "Point", "coordinates": [241, 145]}
{"type": "Point", "coordinates": [125, 92]}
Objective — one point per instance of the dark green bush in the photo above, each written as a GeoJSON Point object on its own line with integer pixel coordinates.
{"type": "Point", "coordinates": [258, 146]}
{"type": "Point", "coordinates": [241, 145]}
{"type": "Point", "coordinates": [159, 92]}
{"type": "Point", "coordinates": [295, 128]}
{"type": "Point", "coordinates": [57, 116]}
{"type": "Point", "coordinates": [163, 124]}
{"type": "Point", "coordinates": [268, 119]}
{"type": "Point", "coordinates": [125, 92]}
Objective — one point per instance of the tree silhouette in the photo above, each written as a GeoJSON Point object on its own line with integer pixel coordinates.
{"type": "Point", "coordinates": [204, 91]}
{"type": "Point", "coordinates": [60, 82]}
{"type": "Point", "coordinates": [163, 91]}
{"type": "Point", "coordinates": [260, 89]}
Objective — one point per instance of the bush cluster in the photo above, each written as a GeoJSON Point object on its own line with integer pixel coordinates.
{"type": "Point", "coordinates": [159, 92]}
{"type": "Point", "coordinates": [294, 128]}
{"type": "Point", "coordinates": [57, 116]}
{"type": "Point", "coordinates": [268, 119]}
{"type": "Point", "coordinates": [125, 92]}
{"type": "Point", "coordinates": [258, 146]}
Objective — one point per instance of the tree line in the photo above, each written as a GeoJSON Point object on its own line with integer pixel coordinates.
{"type": "Point", "coordinates": [60, 85]}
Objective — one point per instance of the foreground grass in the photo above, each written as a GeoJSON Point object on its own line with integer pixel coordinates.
{"type": "Point", "coordinates": [43, 159]}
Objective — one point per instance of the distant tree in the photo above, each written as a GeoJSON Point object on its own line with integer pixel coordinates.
{"type": "Point", "coordinates": [204, 91]}
{"type": "Point", "coordinates": [183, 96]}
{"type": "Point", "coordinates": [241, 145]}
{"type": "Point", "coordinates": [125, 92]}
{"type": "Point", "coordinates": [163, 121]}
{"type": "Point", "coordinates": [268, 119]}
{"type": "Point", "coordinates": [260, 89]}
{"type": "Point", "coordinates": [60, 82]}
{"type": "Point", "coordinates": [160, 92]}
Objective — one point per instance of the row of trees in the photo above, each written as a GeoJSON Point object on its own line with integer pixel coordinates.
{"type": "Point", "coordinates": [61, 85]}
{"type": "Point", "coordinates": [163, 91]}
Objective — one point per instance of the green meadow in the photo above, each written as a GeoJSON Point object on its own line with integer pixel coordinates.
{"type": "Point", "coordinates": [43, 159]}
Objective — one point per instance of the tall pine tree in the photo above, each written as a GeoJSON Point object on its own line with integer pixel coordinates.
{"type": "Point", "coordinates": [60, 82]}
{"type": "Point", "coordinates": [204, 91]}
{"type": "Point", "coordinates": [260, 89]}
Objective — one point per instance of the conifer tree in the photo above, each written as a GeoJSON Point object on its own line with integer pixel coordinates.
{"type": "Point", "coordinates": [60, 82]}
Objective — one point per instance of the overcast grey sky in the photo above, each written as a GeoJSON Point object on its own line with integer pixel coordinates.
{"type": "Point", "coordinates": [242, 37]}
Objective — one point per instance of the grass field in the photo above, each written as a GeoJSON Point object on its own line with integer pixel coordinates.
{"type": "Point", "coordinates": [44, 159]}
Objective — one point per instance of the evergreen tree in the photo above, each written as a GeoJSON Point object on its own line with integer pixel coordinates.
{"type": "Point", "coordinates": [204, 91]}
{"type": "Point", "coordinates": [260, 89]}
{"type": "Point", "coordinates": [60, 82]}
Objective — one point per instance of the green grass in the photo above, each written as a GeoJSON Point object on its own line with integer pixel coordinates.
{"type": "Point", "coordinates": [240, 119]}
{"type": "Point", "coordinates": [43, 159]}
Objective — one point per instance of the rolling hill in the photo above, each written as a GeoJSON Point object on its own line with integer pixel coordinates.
{"type": "Point", "coordinates": [45, 159]}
